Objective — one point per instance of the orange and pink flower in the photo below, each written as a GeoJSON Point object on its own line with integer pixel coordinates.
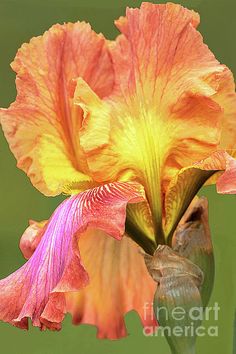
{"type": "Point", "coordinates": [143, 121]}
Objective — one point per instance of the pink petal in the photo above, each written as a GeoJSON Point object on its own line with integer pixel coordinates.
{"type": "Point", "coordinates": [222, 161]}
{"type": "Point", "coordinates": [36, 290]}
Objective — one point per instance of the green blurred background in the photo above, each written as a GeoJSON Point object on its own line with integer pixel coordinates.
{"type": "Point", "coordinates": [19, 21]}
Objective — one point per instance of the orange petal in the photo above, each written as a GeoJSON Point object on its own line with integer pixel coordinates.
{"type": "Point", "coordinates": [164, 112]}
{"type": "Point", "coordinates": [226, 98]}
{"type": "Point", "coordinates": [31, 237]}
{"type": "Point", "coordinates": [37, 289]}
{"type": "Point", "coordinates": [119, 283]}
{"type": "Point", "coordinates": [42, 125]}
{"type": "Point", "coordinates": [189, 180]}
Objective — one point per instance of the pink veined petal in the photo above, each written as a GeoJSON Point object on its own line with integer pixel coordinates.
{"type": "Point", "coordinates": [118, 277]}
{"type": "Point", "coordinates": [226, 183]}
{"type": "Point", "coordinates": [37, 290]}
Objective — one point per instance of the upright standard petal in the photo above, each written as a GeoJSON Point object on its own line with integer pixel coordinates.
{"type": "Point", "coordinates": [165, 112]}
{"type": "Point", "coordinates": [119, 282]}
{"type": "Point", "coordinates": [226, 98]}
{"type": "Point", "coordinates": [42, 126]}
{"type": "Point", "coordinates": [37, 290]}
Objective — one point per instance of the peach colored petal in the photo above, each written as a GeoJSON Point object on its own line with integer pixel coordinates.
{"type": "Point", "coordinates": [119, 283]}
{"type": "Point", "coordinates": [165, 112]}
{"type": "Point", "coordinates": [42, 125]}
{"type": "Point", "coordinates": [226, 98]}
{"type": "Point", "coordinates": [31, 237]}
{"type": "Point", "coordinates": [189, 180]}
{"type": "Point", "coordinates": [37, 290]}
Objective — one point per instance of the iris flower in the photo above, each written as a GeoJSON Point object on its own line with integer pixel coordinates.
{"type": "Point", "coordinates": [129, 130]}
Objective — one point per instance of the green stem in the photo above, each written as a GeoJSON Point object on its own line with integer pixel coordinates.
{"type": "Point", "coordinates": [188, 351]}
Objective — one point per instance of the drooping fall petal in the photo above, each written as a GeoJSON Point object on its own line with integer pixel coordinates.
{"type": "Point", "coordinates": [117, 277]}
{"type": "Point", "coordinates": [119, 282]}
{"type": "Point", "coordinates": [165, 112]}
{"type": "Point", "coordinates": [42, 125]}
{"type": "Point", "coordinates": [187, 182]}
{"type": "Point", "coordinates": [36, 290]}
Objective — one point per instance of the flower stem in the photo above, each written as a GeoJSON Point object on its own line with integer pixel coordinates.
{"type": "Point", "coordinates": [187, 351]}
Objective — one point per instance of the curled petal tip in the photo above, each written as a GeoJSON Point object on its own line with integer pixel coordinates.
{"type": "Point", "coordinates": [31, 238]}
